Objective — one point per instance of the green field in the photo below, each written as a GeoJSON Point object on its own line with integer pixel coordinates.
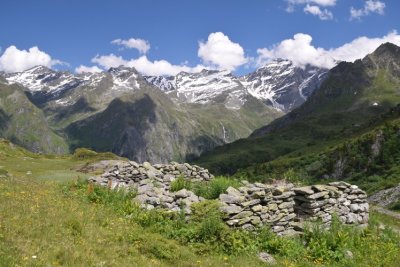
{"type": "Point", "coordinates": [49, 216]}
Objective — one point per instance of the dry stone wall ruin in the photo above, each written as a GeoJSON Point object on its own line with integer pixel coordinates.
{"type": "Point", "coordinates": [283, 207]}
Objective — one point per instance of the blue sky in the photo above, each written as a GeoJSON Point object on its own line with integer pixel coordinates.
{"type": "Point", "coordinates": [235, 34]}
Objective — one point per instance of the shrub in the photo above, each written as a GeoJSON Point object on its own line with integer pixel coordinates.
{"type": "Point", "coordinates": [180, 183]}
{"type": "Point", "coordinates": [215, 187]}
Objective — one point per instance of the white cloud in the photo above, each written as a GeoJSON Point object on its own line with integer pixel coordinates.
{"type": "Point", "coordinates": [83, 69]}
{"type": "Point", "coordinates": [144, 65]}
{"type": "Point", "coordinates": [220, 52]}
{"type": "Point", "coordinates": [316, 11]}
{"type": "Point", "coordinates": [14, 60]}
{"type": "Point", "coordinates": [293, 3]}
{"type": "Point", "coordinates": [302, 52]}
{"type": "Point", "coordinates": [370, 6]}
{"type": "Point", "coordinates": [141, 45]}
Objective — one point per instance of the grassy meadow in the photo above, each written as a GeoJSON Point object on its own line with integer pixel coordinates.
{"type": "Point", "coordinates": [49, 216]}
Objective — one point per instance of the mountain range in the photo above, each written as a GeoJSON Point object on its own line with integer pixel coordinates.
{"type": "Point", "coordinates": [347, 129]}
{"type": "Point", "coordinates": [153, 118]}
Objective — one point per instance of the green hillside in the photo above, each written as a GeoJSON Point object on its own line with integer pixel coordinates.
{"type": "Point", "coordinates": [356, 98]}
{"type": "Point", "coordinates": [49, 216]}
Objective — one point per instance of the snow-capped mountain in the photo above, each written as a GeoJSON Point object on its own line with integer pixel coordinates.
{"type": "Point", "coordinates": [279, 84]}
{"type": "Point", "coordinates": [64, 88]}
{"type": "Point", "coordinates": [282, 84]}
{"type": "Point", "coordinates": [43, 79]}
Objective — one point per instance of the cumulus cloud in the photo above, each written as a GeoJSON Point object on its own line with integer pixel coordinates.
{"type": "Point", "coordinates": [324, 14]}
{"type": "Point", "coordinates": [144, 65]}
{"type": "Point", "coordinates": [370, 6]}
{"type": "Point", "coordinates": [301, 52]}
{"type": "Point", "coordinates": [220, 52]}
{"type": "Point", "coordinates": [293, 3]}
{"type": "Point", "coordinates": [14, 60]}
{"type": "Point", "coordinates": [141, 45]}
{"type": "Point", "coordinates": [83, 69]}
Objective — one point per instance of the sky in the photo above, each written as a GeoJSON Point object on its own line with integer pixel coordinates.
{"type": "Point", "coordinates": [164, 37]}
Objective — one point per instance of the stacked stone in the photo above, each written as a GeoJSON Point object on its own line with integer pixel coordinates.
{"type": "Point", "coordinates": [352, 205]}
{"type": "Point", "coordinates": [150, 197]}
{"type": "Point", "coordinates": [320, 202]}
{"type": "Point", "coordinates": [254, 205]}
{"type": "Point", "coordinates": [128, 174]}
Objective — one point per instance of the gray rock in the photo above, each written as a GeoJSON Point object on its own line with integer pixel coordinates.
{"type": "Point", "coordinates": [183, 193]}
{"type": "Point", "coordinates": [305, 190]}
{"type": "Point", "coordinates": [230, 199]}
{"type": "Point", "coordinates": [231, 209]}
{"type": "Point", "coordinates": [267, 258]}
{"type": "Point", "coordinates": [250, 203]}
{"type": "Point", "coordinates": [243, 214]}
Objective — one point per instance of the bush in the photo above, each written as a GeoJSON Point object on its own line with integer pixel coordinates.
{"type": "Point", "coordinates": [215, 187]}
{"type": "Point", "coordinates": [180, 183]}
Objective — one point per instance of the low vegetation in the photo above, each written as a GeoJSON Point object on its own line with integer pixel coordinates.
{"type": "Point", "coordinates": [68, 222]}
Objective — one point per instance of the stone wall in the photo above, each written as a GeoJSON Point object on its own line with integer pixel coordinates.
{"type": "Point", "coordinates": [321, 201]}
{"type": "Point", "coordinates": [152, 183]}
{"type": "Point", "coordinates": [252, 205]}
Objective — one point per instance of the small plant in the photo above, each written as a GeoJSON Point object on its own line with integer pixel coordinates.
{"type": "Point", "coordinates": [180, 183]}
{"type": "Point", "coordinates": [217, 186]}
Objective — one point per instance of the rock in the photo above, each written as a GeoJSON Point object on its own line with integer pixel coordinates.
{"type": "Point", "coordinates": [181, 168]}
{"type": "Point", "coordinates": [248, 227]}
{"type": "Point", "coordinates": [258, 194]}
{"type": "Point", "coordinates": [305, 190]}
{"type": "Point", "coordinates": [205, 176]}
{"type": "Point", "coordinates": [267, 258]}
{"type": "Point", "coordinates": [183, 193]}
{"type": "Point", "coordinates": [286, 205]}
{"type": "Point", "coordinates": [231, 209]}
{"type": "Point", "coordinates": [285, 195]}
{"type": "Point", "coordinates": [250, 203]}
{"type": "Point", "coordinates": [351, 218]}
{"type": "Point", "coordinates": [145, 188]}
{"type": "Point", "coordinates": [233, 191]}
{"type": "Point", "coordinates": [230, 199]}
{"type": "Point", "coordinates": [348, 254]}
{"type": "Point", "coordinates": [318, 195]}
{"type": "Point", "coordinates": [148, 166]}
{"type": "Point", "coordinates": [256, 208]}
{"type": "Point", "coordinates": [243, 214]}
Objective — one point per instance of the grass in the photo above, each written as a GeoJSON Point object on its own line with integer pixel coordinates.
{"type": "Point", "coordinates": [68, 222]}
{"type": "Point", "coordinates": [43, 223]}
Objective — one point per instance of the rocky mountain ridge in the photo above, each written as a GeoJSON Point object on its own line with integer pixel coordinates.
{"type": "Point", "coordinates": [279, 84]}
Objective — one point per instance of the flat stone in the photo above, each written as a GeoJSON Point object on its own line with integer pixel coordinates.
{"type": "Point", "coordinates": [285, 195]}
{"type": "Point", "coordinates": [233, 191]}
{"type": "Point", "coordinates": [318, 195]}
{"type": "Point", "coordinates": [256, 208]}
{"type": "Point", "coordinates": [250, 203]}
{"type": "Point", "coordinates": [286, 205]}
{"type": "Point", "coordinates": [231, 209]}
{"type": "Point", "coordinates": [183, 193]}
{"type": "Point", "coordinates": [305, 190]}
{"type": "Point", "coordinates": [242, 215]}
{"type": "Point", "coordinates": [230, 199]}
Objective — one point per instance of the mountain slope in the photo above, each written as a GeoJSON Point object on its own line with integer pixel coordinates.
{"type": "Point", "coordinates": [348, 103]}
{"type": "Point", "coordinates": [120, 111]}
{"type": "Point", "coordinates": [25, 124]}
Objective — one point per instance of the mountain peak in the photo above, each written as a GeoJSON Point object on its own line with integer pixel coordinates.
{"type": "Point", "coordinates": [122, 70]}
{"type": "Point", "coordinates": [387, 48]}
